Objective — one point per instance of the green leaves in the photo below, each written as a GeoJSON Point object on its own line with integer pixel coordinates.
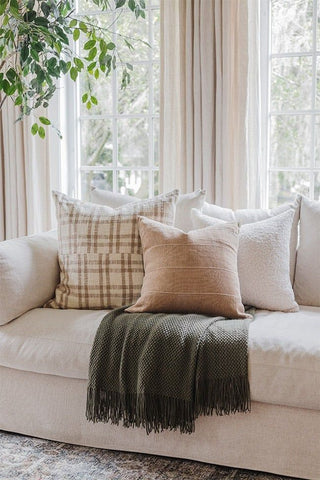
{"type": "Point", "coordinates": [34, 129]}
{"type": "Point", "coordinates": [73, 73]}
{"type": "Point", "coordinates": [35, 51]}
{"type": "Point", "coordinates": [120, 3]}
{"type": "Point", "coordinates": [41, 132]}
{"type": "Point", "coordinates": [45, 121]}
{"type": "Point", "coordinates": [89, 44]}
{"type": "Point", "coordinates": [76, 34]}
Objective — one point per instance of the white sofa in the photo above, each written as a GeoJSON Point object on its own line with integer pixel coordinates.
{"type": "Point", "coordinates": [44, 357]}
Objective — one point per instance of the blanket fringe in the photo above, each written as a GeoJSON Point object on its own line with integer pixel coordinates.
{"type": "Point", "coordinates": [223, 396]}
{"type": "Point", "coordinates": [157, 413]}
{"type": "Point", "coordinates": [153, 412]}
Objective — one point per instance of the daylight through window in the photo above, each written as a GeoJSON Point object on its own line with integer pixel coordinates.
{"type": "Point", "coordinates": [118, 140]}
{"type": "Point", "coordinates": [293, 112]}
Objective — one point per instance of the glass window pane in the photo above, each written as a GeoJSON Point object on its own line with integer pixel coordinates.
{"type": "Point", "coordinates": [135, 97]}
{"type": "Point", "coordinates": [291, 83]}
{"type": "Point", "coordinates": [317, 186]}
{"type": "Point", "coordinates": [133, 182]}
{"type": "Point", "coordinates": [156, 144]}
{"type": "Point", "coordinates": [156, 183]}
{"type": "Point", "coordinates": [317, 140]}
{"type": "Point", "coordinates": [101, 90]}
{"type": "Point", "coordinates": [155, 18]}
{"type": "Point", "coordinates": [291, 25]}
{"type": "Point", "coordinates": [284, 186]}
{"type": "Point", "coordinates": [135, 32]}
{"type": "Point", "coordinates": [290, 139]}
{"type": "Point", "coordinates": [133, 141]}
{"type": "Point", "coordinates": [86, 6]}
{"type": "Point", "coordinates": [318, 84]}
{"type": "Point", "coordinates": [156, 88]}
{"type": "Point", "coordinates": [96, 142]}
{"type": "Point", "coordinates": [100, 179]}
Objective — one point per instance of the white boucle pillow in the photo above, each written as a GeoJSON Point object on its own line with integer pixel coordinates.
{"type": "Point", "coordinates": [263, 260]}
{"type": "Point", "coordinates": [307, 277]}
{"type": "Point", "coordinates": [184, 204]}
{"type": "Point", "coordinates": [243, 216]}
{"type": "Point", "coordinates": [29, 273]}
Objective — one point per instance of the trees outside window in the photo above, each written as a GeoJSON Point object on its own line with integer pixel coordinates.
{"type": "Point", "coordinates": [117, 141]}
{"type": "Point", "coordinates": [291, 79]}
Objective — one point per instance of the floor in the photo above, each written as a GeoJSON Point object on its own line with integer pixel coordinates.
{"type": "Point", "coordinates": [27, 458]}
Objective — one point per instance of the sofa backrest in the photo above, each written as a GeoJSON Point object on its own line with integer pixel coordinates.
{"type": "Point", "coordinates": [29, 273]}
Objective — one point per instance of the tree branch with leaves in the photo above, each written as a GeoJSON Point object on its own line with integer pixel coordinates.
{"type": "Point", "coordinates": [37, 39]}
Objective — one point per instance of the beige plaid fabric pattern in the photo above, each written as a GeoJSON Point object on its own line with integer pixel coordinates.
{"type": "Point", "coordinates": [100, 254]}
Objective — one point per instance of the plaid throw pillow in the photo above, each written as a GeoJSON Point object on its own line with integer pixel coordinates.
{"type": "Point", "coordinates": [100, 254]}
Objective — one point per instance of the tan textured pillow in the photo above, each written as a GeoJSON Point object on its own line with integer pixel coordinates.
{"type": "Point", "coordinates": [100, 255]}
{"type": "Point", "coordinates": [190, 272]}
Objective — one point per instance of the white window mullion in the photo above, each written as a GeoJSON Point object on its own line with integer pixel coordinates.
{"type": "Point", "coordinates": [265, 63]}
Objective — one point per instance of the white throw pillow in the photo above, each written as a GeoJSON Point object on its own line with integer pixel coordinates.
{"type": "Point", "coordinates": [263, 260]}
{"type": "Point", "coordinates": [213, 210]}
{"type": "Point", "coordinates": [110, 199]}
{"type": "Point", "coordinates": [307, 277]}
{"type": "Point", "coordinates": [243, 216]}
{"type": "Point", "coordinates": [29, 273]}
{"type": "Point", "coordinates": [186, 202]}
{"type": "Point", "coordinates": [184, 205]}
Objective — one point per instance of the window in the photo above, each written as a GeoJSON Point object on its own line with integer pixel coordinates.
{"type": "Point", "coordinates": [116, 142]}
{"type": "Point", "coordinates": [291, 75]}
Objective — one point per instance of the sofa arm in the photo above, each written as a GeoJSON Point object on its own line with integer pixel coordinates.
{"type": "Point", "coordinates": [29, 273]}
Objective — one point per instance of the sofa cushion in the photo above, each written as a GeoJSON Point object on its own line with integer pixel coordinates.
{"type": "Point", "coordinates": [249, 215]}
{"type": "Point", "coordinates": [100, 252]}
{"type": "Point", "coordinates": [56, 342]}
{"type": "Point", "coordinates": [190, 272]}
{"type": "Point", "coordinates": [110, 199]}
{"type": "Point", "coordinates": [284, 358]}
{"type": "Point", "coordinates": [263, 260]}
{"type": "Point", "coordinates": [307, 278]}
{"type": "Point", "coordinates": [284, 353]}
{"type": "Point", "coordinates": [184, 204]}
{"type": "Point", "coordinates": [29, 273]}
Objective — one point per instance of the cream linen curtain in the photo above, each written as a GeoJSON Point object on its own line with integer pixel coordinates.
{"type": "Point", "coordinates": [27, 175]}
{"type": "Point", "coordinates": [210, 99]}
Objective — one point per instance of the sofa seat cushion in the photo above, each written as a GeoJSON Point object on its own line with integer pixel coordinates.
{"type": "Point", "coordinates": [284, 358]}
{"type": "Point", "coordinates": [284, 350]}
{"type": "Point", "coordinates": [56, 342]}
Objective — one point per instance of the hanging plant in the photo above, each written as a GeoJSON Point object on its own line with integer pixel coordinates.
{"type": "Point", "coordinates": [37, 48]}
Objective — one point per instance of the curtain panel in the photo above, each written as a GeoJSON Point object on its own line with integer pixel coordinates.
{"type": "Point", "coordinates": [28, 172]}
{"type": "Point", "coordinates": [210, 99]}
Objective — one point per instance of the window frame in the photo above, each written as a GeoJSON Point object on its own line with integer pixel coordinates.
{"type": "Point", "coordinates": [70, 103]}
{"type": "Point", "coordinates": [267, 113]}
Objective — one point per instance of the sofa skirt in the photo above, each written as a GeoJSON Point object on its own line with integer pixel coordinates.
{"type": "Point", "coordinates": [271, 438]}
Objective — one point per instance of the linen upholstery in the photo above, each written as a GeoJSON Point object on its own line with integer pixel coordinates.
{"type": "Point", "coordinates": [100, 252]}
{"type": "Point", "coordinates": [263, 260]}
{"type": "Point", "coordinates": [29, 273]}
{"type": "Point", "coordinates": [271, 438]}
{"type": "Point", "coordinates": [307, 278]}
{"type": "Point", "coordinates": [194, 272]}
{"type": "Point", "coordinates": [284, 356]}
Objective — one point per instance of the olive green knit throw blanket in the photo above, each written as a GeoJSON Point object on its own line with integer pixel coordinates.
{"type": "Point", "coordinates": [161, 371]}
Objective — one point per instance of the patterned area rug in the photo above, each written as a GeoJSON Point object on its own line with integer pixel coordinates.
{"type": "Point", "coordinates": [27, 458]}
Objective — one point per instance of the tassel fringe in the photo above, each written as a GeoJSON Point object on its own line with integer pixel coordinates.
{"type": "Point", "coordinates": [157, 413]}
